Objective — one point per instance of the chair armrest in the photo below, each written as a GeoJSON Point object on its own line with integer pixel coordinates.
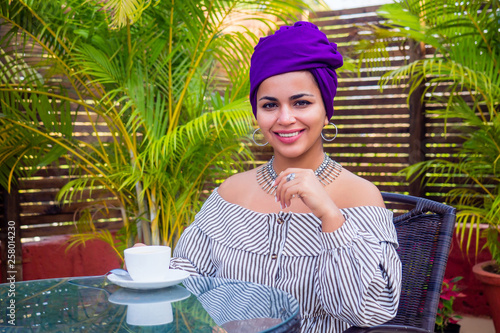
{"type": "Point", "coordinates": [385, 328]}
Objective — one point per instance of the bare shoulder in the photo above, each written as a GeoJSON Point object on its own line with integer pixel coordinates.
{"type": "Point", "coordinates": [355, 191]}
{"type": "Point", "coordinates": [238, 187]}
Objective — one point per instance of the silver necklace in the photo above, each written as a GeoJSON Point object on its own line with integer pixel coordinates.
{"type": "Point", "coordinates": [326, 173]}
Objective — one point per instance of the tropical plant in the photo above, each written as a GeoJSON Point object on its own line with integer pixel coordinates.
{"type": "Point", "coordinates": [463, 76]}
{"type": "Point", "coordinates": [163, 85]}
{"type": "Point", "coordinates": [445, 313]}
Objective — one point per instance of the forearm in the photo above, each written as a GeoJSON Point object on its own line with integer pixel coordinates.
{"type": "Point", "coordinates": [332, 220]}
{"type": "Point", "coordinates": [192, 253]}
{"type": "Point", "coordinates": [359, 272]}
{"type": "Point", "coordinates": [368, 290]}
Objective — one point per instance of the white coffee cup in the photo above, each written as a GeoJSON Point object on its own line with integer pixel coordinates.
{"type": "Point", "coordinates": [148, 263]}
{"type": "Point", "coordinates": [150, 314]}
{"type": "Point", "coordinates": [149, 307]}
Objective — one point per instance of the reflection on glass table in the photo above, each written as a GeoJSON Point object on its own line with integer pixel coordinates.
{"type": "Point", "coordinates": [149, 308]}
{"type": "Point", "coordinates": [200, 304]}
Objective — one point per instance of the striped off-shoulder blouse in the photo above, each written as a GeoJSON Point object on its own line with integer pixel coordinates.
{"type": "Point", "coordinates": [351, 276]}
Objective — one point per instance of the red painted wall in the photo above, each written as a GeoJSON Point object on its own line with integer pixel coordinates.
{"type": "Point", "coordinates": [49, 259]}
{"type": "Point", "coordinates": [460, 264]}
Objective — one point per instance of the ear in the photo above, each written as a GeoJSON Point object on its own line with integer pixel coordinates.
{"type": "Point", "coordinates": [327, 121]}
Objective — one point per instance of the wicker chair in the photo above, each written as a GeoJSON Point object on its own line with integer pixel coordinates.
{"type": "Point", "coordinates": [424, 235]}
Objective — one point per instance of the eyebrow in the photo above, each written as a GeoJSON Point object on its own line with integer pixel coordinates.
{"type": "Point", "coordinates": [293, 97]}
{"type": "Point", "coordinates": [300, 96]}
{"type": "Point", "coordinates": [268, 98]}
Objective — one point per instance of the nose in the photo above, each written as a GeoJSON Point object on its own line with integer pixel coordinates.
{"type": "Point", "coordinates": [286, 116]}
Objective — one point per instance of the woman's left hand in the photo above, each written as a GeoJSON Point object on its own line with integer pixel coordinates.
{"type": "Point", "coordinates": [308, 188]}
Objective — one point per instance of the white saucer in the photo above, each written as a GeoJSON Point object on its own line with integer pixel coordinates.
{"type": "Point", "coordinates": [174, 277]}
{"type": "Point", "coordinates": [129, 296]}
{"type": "Point", "coordinates": [149, 307]}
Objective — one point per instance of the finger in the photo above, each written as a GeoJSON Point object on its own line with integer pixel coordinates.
{"type": "Point", "coordinates": [299, 176]}
{"type": "Point", "coordinates": [285, 174]}
{"type": "Point", "coordinates": [291, 191]}
{"type": "Point", "coordinates": [288, 189]}
{"type": "Point", "coordinates": [304, 182]}
{"type": "Point", "coordinates": [282, 184]}
{"type": "Point", "coordinates": [282, 179]}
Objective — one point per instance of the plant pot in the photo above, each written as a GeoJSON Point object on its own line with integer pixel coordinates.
{"type": "Point", "coordinates": [491, 284]}
{"type": "Point", "coordinates": [450, 328]}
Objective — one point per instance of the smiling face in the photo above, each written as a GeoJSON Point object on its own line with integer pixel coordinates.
{"type": "Point", "coordinates": [291, 114]}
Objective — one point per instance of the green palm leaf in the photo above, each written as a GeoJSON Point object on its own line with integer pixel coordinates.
{"type": "Point", "coordinates": [465, 43]}
{"type": "Point", "coordinates": [162, 77]}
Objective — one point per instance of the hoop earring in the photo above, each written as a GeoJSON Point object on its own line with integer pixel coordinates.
{"type": "Point", "coordinates": [253, 138]}
{"type": "Point", "coordinates": [336, 132]}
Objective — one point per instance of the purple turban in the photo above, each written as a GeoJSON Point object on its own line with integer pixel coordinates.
{"type": "Point", "coordinates": [299, 47]}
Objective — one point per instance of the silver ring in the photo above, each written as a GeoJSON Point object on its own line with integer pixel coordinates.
{"type": "Point", "coordinates": [290, 177]}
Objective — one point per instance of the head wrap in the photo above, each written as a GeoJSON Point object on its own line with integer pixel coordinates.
{"type": "Point", "coordinates": [301, 47]}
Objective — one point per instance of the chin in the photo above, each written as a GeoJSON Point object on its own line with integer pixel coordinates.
{"type": "Point", "coordinates": [290, 153]}
{"type": "Point", "coordinates": [293, 151]}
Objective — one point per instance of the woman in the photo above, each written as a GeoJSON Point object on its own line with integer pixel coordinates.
{"type": "Point", "coordinates": [324, 236]}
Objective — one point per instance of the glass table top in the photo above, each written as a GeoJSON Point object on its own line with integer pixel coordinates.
{"type": "Point", "coordinates": [94, 304]}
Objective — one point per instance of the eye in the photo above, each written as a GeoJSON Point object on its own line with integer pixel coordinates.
{"type": "Point", "coordinates": [269, 106]}
{"type": "Point", "coordinates": [302, 103]}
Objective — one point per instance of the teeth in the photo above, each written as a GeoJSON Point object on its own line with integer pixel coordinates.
{"type": "Point", "coordinates": [288, 135]}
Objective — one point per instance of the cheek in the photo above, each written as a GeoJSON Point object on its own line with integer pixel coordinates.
{"type": "Point", "coordinates": [264, 120]}
{"type": "Point", "coordinates": [262, 125]}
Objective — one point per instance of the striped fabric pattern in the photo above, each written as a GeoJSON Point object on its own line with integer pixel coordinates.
{"type": "Point", "coordinates": [348, 277]}
{"type": "Point", "coordinates": [231, 300]}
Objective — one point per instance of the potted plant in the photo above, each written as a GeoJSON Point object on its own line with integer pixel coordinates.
{"type": "Point", "coordinates": [446, 319]}
{"type": "Point", "coordinates": [489, 274]}
{"type": "Point", "coordinates": [459, 73]}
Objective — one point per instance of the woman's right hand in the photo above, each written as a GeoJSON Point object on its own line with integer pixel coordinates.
{"type": "Point", "coordinates": [306, 186]}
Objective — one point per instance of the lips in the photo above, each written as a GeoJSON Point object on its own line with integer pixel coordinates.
{"type": "Point", "coordinates": [289, 136]}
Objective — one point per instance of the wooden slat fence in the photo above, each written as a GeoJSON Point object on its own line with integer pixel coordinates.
{"type": "Point", "coordinates": [373, 139]}
{"type": "Point", "coordinates": [378, 134]}
{"type": "Point", "coordinates": [40, 214]}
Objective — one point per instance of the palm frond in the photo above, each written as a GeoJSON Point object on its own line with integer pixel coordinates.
{"type": "Point", "coordinates": [163, 78]}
